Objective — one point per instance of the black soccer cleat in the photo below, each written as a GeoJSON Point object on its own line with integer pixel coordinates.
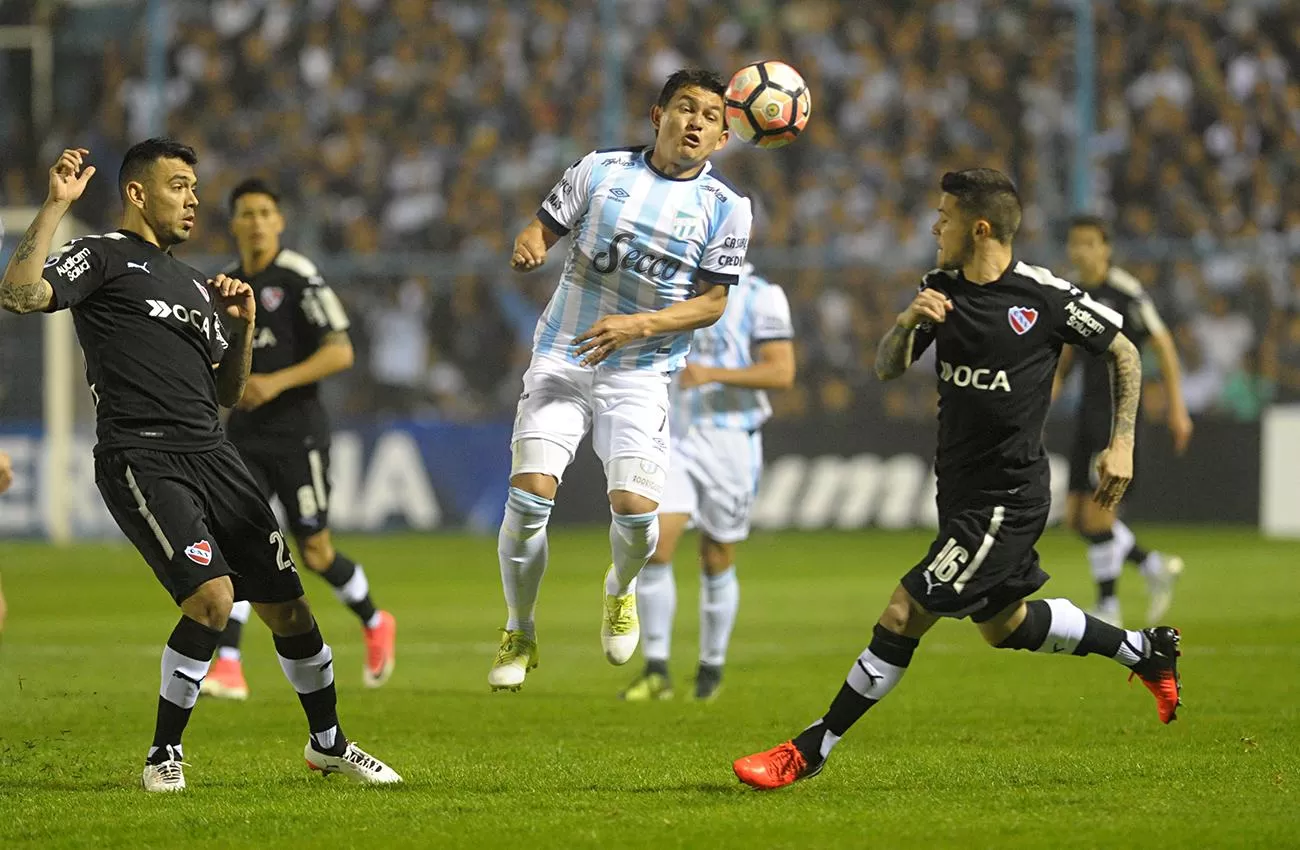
{"type": "Point", "coordinates": [1158, 670]}
{"type": "Point", "coordinates": [708, 682]}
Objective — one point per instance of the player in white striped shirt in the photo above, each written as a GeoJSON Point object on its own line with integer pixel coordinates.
{"type": "Point", "coordinates": [719, 406]}
{"type": "Point", "coordinates": [658, 237]}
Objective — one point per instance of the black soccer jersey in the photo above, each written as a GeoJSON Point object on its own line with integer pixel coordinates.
{"type": "Point", "coordinates": [148, 325]}
{"type": "Point", "coordinates": [996, 355]}
{"type": "Point", "coordinates": [1124, 294]}
{"type": "Point", "coordinates": [295, 311]}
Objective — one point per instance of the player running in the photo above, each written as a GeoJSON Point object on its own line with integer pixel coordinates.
{"type": "Point", "coordinates": [657, 238]}
{"type": "Point", "coordinates": [719, 405]}
{"type": "Point", "coordinates": [1110, 541]}
{"type": "Point", "coordinates": [997, 326]}
{"type": "Point", "coordinates": [280, 427]}
{"type": "Point", "coordinates": [159, 363]}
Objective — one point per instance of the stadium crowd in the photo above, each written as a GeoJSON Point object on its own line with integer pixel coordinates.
{"type": "Point", "coordinates": [409, 126]}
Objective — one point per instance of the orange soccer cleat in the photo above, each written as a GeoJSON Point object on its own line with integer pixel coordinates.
{"type": "Point", "coordinates": [381, 652]}
{"type": "Point", "coordinates": [225, 680]}
{"type": "Point", "coordinates": [1159, 670]}
{"type": "Point", "coordinates": [776, 768]}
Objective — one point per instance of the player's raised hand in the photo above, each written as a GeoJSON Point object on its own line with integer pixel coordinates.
{"type": "Point", "coordinates": [929, 305]}
{"type": "Point", "coordinates": [236, 298]}
{"type": "Point", "coordinates": [608, 335]}
{"type": "Point", "coordinates": [529, 250]}
{"type": "Point", "coordinates": [1114, 474]}
{"type": "Point", "coordinates": [68, 177]}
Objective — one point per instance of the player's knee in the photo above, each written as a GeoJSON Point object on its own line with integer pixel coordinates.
{"type": "Point", "coordinates": [635, 485]}
{"type": "Point", "coordinates": [631, 504]}
{"type": "Point", "coordinates": [536, 466]}
{"type": "Point", "coordinates": [286, 619]}
{"type": "Point", "coordinates": [716, 558]}
{"type": "Point", "coordinates": [210, 604]}
{"type": "Point", "coordinates": [318, 552]}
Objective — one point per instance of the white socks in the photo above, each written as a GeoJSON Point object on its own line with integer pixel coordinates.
{"type": "Point", "coordinates": [656, 602]}
{"type": "Point", "coordinates": [239, 613]}
{"type": "Point", "coordinates": [719, 600]}
{"type": "Point", "coordinates": [521, 550]}
{"type": "Point", "coordinates": [632, 540]}
{"type": "Point", "coordinates": [1106, 559]}
{"type": "Point", "coordinates": [656, 599]}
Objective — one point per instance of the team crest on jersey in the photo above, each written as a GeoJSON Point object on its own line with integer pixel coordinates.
{"type": "Point", "coordinates": [1022, 319]}
{"type": "Point", "coordinates": [200, 553]}
{"type": "Point", "coordinates": [272, 298]}
{"type": "Point", "coordinates": [686, 225]}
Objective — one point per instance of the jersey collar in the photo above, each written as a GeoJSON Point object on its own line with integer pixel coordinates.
{"type": "Point", "coordinates": [645, 157]}
{"type": "Point", "coordinates": [137, 238]}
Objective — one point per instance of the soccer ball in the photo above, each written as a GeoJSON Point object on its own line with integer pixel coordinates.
{"type": "Point", "coordinates": [768, 104]}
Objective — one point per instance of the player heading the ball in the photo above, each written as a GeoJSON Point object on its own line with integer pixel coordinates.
{"type": "Point", "coordinates": [657, 237]}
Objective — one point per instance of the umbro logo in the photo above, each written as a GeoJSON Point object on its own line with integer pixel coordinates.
{"type": "Point", "coordinates": [619, 193]}
{"type": "Point", "coordinates": [144, 267]}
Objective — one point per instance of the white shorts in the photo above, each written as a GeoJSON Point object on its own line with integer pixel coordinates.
{"type": "Point", "coordinates": [625, 410]}
{"type": "Point", "coordinates": [713, 477]}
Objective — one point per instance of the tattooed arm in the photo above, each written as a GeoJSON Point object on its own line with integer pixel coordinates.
{"type": "Point", "coordinates": [23, 289]}
{"type": "Point", "coordinates": [894, 354]}
{"type": "Point", "coordinates": [1125, 387]}
{"type": "Point", "coordinates": [1115, 464]}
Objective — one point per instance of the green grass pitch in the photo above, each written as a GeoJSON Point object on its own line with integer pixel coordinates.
{"type": "Point", "coordinates": [976, 748]}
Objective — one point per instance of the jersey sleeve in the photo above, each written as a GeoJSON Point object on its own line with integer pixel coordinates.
{"type": "Point", "coordinates": [724, 255]}
{"type": "Point", "coordinates": [323, 311]}
{"type": "Point", "coordinates": [75, 272]}
{"type": "Point", "coordinates": [772, 320]}
{"type": "Point", "coordinates": [1146, 317]}
{"type": "Point", "coordinates": [1080, 320]}
{"type": "Point", "coordinates": [567, 202]}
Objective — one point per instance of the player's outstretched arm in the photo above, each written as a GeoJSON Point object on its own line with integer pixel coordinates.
{"type": "Point", "coordinates": [894, 354]}
{"type": "Point", "coordinates": [1115, 464]}
{"type": "Point", "coordinates": [610, 333]}
{"type": "Point", "coordinates": [23, 289]}
{"type": "Point", "coordinates": [334, 355]}
{"type": "Point", "coordinates": [773, 369]}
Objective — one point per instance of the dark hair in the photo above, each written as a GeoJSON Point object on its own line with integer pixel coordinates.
{"type": "Point", "coordinates": [1093, 221]}
{"type": "Point", "coordinates": [988, 194]}
{"type": "Point", "coordinates": [144, 154]}
{"type": "Point", "coordinates": [699, 77]}
{"type": "Point", "coordinates": [253, 186]}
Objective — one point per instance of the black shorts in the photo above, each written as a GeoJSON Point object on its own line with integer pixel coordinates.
{"type": "Point", "coordinates": [196, 517]}
{"type": "Point", "coordinates": [298, 474]}
{"type": "Point", "coordinates": [1090, 441]}
{"type": "Point", "coordinates": [982, 560]}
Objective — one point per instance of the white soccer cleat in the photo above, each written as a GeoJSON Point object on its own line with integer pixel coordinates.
{"type": "Point", "coordinates": [620, 629]}
{"type": "Point", "coordinates": [165, 777]}
{"type": "Point", "coordinates": [516, 656]}
{"type": "Point", "coordinates": [354, 763]}
{"type": "Point", "coordinates": [1160, 586]}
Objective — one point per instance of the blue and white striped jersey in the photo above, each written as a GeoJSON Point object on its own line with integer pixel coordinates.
{"type": "Point", "coordinates": [640, 242]}
{"type": "Point", "coordinates": [757, 312]}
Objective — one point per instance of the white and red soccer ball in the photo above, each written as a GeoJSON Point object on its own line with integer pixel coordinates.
{"type": "Point", "coordinates": [767, 104]}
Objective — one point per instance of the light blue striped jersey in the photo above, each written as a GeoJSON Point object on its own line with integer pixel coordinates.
{"type": "Point", "coordinates": [641, 242]}
{"type": "Point", "coordinates": [757, 312]}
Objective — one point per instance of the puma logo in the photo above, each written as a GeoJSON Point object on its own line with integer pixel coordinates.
{"type": "Point", "coordinates": [144, 267]}
{"type": "Point", "coordinates": [872, 677]}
